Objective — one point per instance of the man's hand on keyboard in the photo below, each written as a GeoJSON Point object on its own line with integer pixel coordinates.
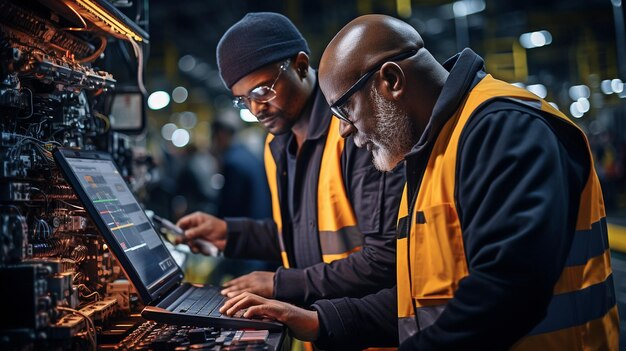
{"type": "Point", "coordinates": [260, 283]}
{"type": "Point", "coordinates": [304, 324]}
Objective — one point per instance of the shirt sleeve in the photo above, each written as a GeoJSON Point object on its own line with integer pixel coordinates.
{"type": "Point", "coordinates": [355, 324]}
{"type": "Point", "coordinates": [375, 197]}
{"type": "Point", "coordinates": [518, 190]}
{"type": "Point", "coordinates": [252, 239]}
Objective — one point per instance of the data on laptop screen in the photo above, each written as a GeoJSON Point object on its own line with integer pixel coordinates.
{"type": "Point", "coordinates": [127, 222]}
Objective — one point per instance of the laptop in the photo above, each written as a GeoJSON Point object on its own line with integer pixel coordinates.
{"type": "Point", "coordinates": [139, 248]}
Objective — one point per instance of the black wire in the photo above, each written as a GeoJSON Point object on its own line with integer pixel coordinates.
{"type": "Point", "coordinates": [44, 194]}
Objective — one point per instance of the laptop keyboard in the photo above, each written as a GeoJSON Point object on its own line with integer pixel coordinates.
{"type": "Point", "coordinates": [202, 301]}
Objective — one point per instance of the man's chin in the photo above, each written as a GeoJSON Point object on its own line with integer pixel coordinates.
{"type": "Point", "coordinates": [278, 128]}
{"type": "Point", "coordinates": [384, 162]}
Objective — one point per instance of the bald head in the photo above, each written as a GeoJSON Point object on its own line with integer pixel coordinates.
{"type": "Point", "coordinates": [381, 81]}
{"type": "Point", "coordinates": [359, 46]}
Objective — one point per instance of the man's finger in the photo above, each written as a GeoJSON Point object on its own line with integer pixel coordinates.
{"type": "Point", "coordinates": [240, 304]}
{"type": "Point", "coordinates": [234, 288]}
{"type": "Point", "coordinates": [230, 302]}
{"type": "Point", "coordinates": [227, 290]}
{"type": "Point", "coordinates": [186, 221]}
{"type": "Point", "coordinates": [246, 301]}
{"type": "Point", "coordinates": [234, 293]}
{"type": "Point", "coordinates": [264, 310]}
{"type": "Point", "coordinates": [193, 233]}
{"type": "Point", "coordinates": [188, 234]}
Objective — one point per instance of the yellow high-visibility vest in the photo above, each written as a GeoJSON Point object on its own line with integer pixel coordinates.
{"type": "Point", "coordinates": [339, 235]}
{"type": "Point", "coordinates": [437, 260]}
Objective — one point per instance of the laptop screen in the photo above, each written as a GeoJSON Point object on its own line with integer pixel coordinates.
{"type": "Point", "coordinates": [118, 215]}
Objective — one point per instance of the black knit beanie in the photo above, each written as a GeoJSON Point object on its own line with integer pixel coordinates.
{"type": "Point", "coordinates": [258, 39]}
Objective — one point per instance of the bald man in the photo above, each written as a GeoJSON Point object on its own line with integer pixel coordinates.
{"type": "Point", "coordinates": [502, 233]}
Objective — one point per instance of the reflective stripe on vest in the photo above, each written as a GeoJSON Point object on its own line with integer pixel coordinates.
{"type": "Point", "coordinates": [582, 312]}
{"type": "Point", "coordinates": [426, 315]}
{"type": "Point", "coordinates": [339, 235]}
{"type": "Point", "coordinates": [270, 170]}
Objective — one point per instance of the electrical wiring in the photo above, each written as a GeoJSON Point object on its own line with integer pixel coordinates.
{"type": "Point", "coordinates": [45, 196]}
{"type": "Point", "coordinates": [103, 45]}
{"type": "Point", "coordinates": [61, 130]}
{"type": "Point", "coordinates": [45, 153]}
{"type": "Point", "coordinates": [82, 20]}
{"type": "Point", "coordinates": [89, 294]}
{"type": "Point", "coordinates": [71, 205]}
{"type": "Point", "coordinates": [91, 327]}
{"type": "Point", "coordinates": [16, 150]}
{"type": "Point", "coordinates": [79, 253]}
{"type": "Point", "coordinates": [38, 132]}
{"type": "Point", "coordinates": [42, 229]}
{"type": "Point", "coordinates": [107, 122]}
{"type": "Point", "coordinates": [79, 276]}
{"type": "Point", "coordinates": [139, 55]}
{"type": "Point", "coordinates": [56, 72]}
{"type": "Point", "coordinates": [32, 107]}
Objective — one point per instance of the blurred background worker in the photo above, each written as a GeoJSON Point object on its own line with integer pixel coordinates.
{"type": "Point", "coordinates": [334, 214]}
{"type": "Point", "coordinates": [244, 192]}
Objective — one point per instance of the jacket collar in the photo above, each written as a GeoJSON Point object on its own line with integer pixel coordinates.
{"type": "Point", "coordinates": [466, 70]}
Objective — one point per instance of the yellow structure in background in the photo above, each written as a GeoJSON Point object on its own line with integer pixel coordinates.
{"type": "Point", "coordinates": [617, 237]}
{"type": "Point", "coordinates": [506, 59]}
{"type": "Point", "coordinates": [404, 8]}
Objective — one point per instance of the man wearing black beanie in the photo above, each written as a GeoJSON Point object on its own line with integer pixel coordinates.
{"type": "Point", "coordinates": [334, 214]}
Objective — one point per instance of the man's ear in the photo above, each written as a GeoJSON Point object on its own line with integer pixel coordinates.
{"type": "Point", "coordinates": [392, 81]}
{"type": "Point", "coordinates": [301, 64]}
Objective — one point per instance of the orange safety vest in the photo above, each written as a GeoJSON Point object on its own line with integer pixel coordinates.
{"type": "Point", "coordinates": [437, 261]}
{"type": "Point", "coordinates": [339, 235]}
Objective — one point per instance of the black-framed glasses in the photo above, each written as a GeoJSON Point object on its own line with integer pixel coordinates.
{"type": "Point", "coordinates": [336, 108]}
{"type": "Point", "coordinates": [261, 94]}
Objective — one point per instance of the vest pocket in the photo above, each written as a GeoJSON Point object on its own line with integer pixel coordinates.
{"type": "Point", "coordinates": [437, 255]}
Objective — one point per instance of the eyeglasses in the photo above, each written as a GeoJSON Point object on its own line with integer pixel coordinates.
{"type": "Point", "coordinates": [261, 94]}
{"type": "Point", "coordinates": [336, 108]}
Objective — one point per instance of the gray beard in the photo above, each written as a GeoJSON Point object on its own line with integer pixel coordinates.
{"type": "Point", "coordinates": [393, 135]}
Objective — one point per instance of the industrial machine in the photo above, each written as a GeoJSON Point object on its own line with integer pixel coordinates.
{"type": "Point", "coordinates": [58, 282]}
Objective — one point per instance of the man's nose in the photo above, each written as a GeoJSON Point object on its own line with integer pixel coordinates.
{"type": "Point", "coordinates": [346, 129]}
{"type": "Point", "coordinates": [257, 107]}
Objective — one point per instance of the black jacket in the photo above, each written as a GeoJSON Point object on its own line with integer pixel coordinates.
{"type": "Point", "coordinates": [375, 197]}
{"type": "Point", "coordinates": [501, 299]}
